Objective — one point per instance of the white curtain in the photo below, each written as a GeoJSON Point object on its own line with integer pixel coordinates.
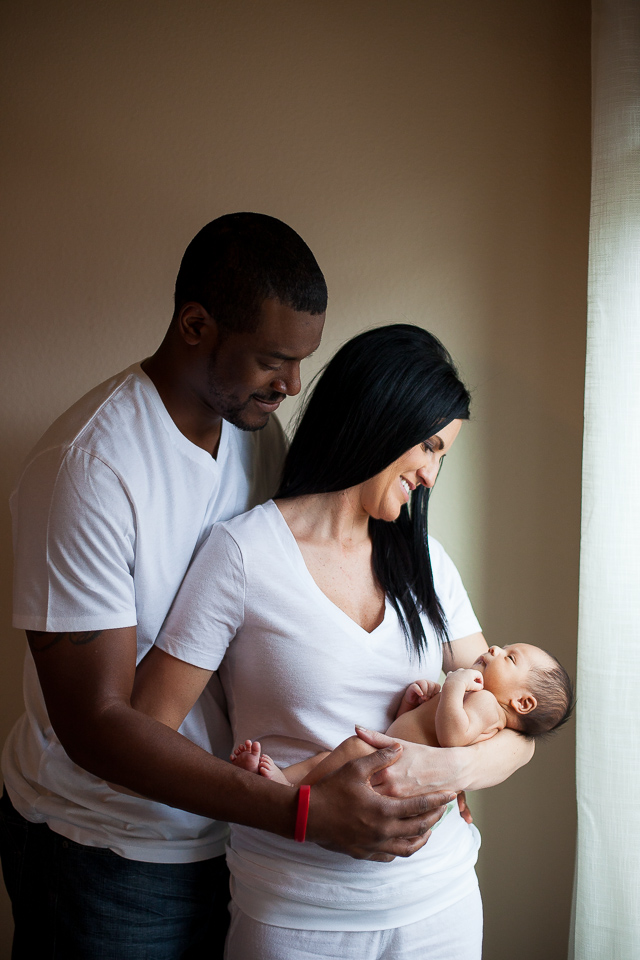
{"type": "Point", "coordinates": [607, 885]}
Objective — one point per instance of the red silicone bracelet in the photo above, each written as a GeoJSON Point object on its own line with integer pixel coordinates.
{"type": "Point", "coordinates": [304, 795]}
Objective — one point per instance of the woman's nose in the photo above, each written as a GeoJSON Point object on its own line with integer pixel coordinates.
{"type": "Point", "coordinates": [428, 475]}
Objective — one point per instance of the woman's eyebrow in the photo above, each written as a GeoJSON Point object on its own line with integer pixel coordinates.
{"type": "Point", "coordinates": [438, 442]}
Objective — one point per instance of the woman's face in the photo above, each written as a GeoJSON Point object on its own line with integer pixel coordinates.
{"type": "Point", "coordinates": [382, 496]}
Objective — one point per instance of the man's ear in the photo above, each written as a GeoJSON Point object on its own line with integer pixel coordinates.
{"type": "Point", "coordinates": [524, 704]}
{"type": "Point", "coordinates": [196, 326]}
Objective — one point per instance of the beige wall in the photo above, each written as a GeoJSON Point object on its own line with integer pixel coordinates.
{"type": "Point", "coordinates": [435, 157]}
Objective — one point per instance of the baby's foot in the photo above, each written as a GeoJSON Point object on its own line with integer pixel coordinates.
{"type": "Point", "coordinates": [268, 769]}
{"type": "Point", "coordinates": [247, 756]}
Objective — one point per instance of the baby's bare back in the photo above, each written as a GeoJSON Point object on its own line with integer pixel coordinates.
{"type": "Point", "coordinates": [418, 725]}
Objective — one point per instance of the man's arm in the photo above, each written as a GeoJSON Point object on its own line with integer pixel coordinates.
{"type": "Point", "coordinates": [87, 679]}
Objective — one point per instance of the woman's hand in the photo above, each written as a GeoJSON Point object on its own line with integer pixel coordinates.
{"type": "Point", "coordinates": [421, 770]}
{"type": "Point", "coordinates": [418, 770]}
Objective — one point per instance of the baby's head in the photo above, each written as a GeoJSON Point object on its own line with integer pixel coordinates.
{"type": "Point", "coordinates": [534, 689]}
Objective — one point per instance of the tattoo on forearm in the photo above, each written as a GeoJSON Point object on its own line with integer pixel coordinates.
{"type": "Point", "coordinates": [39, 641]}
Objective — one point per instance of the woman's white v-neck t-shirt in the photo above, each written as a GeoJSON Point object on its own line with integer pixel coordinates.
{"type": "Point", "coordinates": [298, 673]}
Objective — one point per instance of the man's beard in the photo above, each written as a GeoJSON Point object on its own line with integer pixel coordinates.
{"type": "Point", "coordinates": [234, 415]}
{"type": "Point", "coordinates": [233, 410]}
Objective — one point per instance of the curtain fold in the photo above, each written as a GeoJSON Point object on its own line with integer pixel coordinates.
{"type": "Point", "coordinates": [607, 883]}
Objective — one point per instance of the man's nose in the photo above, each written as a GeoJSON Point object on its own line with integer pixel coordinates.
{"type": "Point", "coordinates": [289, 383]}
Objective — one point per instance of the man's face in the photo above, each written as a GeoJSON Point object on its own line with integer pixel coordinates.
{"type": "Point", "coordinates": [250, 374]}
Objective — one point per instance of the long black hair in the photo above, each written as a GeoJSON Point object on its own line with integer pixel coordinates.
{"type": "Point", "coordinates": [384, 392]}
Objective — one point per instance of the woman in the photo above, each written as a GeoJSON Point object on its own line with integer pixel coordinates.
{"type": "Point", "coordinates": [325, 605]}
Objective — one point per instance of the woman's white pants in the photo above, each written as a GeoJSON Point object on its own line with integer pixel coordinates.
{"type": "Point", "coordinates": [452, 934]}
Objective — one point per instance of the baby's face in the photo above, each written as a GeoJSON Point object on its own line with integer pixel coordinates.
{"type": "Point", "coordinates": [506, 669]}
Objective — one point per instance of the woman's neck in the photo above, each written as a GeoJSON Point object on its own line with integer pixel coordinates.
{"type": "Point", "coordinates": [337, 517]}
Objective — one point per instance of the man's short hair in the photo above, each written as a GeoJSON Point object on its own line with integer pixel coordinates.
{"type": "Point", "coordinates": [241, 259]}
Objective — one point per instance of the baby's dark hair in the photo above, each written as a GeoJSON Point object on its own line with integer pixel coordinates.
{"type": "Point", "coordinates": [554, 692]}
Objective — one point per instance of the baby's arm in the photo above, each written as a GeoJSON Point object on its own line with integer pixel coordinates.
{"type": "Point", "coordinates": [463, 718]}
{"type": "Point", "coordinates": [417, 693]}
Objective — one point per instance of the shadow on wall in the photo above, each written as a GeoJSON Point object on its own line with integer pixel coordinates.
{"type": "Point", "coordinates": [15, 448]}
{"type": "Point", "coordinates": [531, 590]}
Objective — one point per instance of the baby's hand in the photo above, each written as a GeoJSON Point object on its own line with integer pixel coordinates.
{"type": "Point", "coordinates": [420, 691]}
{"type": "Point", "coordinates": [472, 679]}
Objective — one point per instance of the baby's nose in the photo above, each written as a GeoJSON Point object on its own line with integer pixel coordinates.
{"type": "Point", "coordinates": [495, 650]}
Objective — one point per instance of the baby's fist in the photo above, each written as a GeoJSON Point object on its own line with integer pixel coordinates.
{"type": "Point", "coordinates": [472, 679]}
{"type": "Point", "coordinates": [420, 691]}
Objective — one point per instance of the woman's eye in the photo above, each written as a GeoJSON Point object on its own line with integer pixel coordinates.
{"type": "Point", "coordinates": [426, 446]}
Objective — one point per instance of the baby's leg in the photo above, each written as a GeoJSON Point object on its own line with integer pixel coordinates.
{"type": "Point", "coordinates": [295, 774]}
{"type": "Point", "coordinates": [324, 763]}
{"type": "Point", "coordinates": [306, 771]}
{"type": "Point", "coordinates": [268, 769]}
{"type": "Point", "coordinates": [316, 767]}
{"type": "Point", "coordinates": [247, 755]}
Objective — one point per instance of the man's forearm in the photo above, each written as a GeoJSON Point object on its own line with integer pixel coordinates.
{"type": "Point", "coordinates": [346, 814]}
{"type": "Point", "coordinates": [137, 752]}
{"type": "Point", "coordinates": [86, 681]}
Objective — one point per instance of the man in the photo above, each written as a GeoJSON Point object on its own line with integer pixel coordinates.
{"type": "Point", "coordinates": [108, 511]}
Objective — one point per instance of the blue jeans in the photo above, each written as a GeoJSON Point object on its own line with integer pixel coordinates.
{"type": "Point", "coordinates": [74, 902]}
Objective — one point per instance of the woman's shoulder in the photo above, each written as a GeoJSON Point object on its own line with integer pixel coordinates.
{"type": "Point", "coordinates": [229, 543]}
{"type": "Point", "coordinates": [443, 568]}
{"type": "Point", "coordinates": [247, 530]}
{"type": "Point", "coordinates": [437, 554]}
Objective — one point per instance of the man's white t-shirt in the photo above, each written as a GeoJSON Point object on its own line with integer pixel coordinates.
{"type": "Point", "coordinates": [108, 511]}
{"type": "Point", "coordinates": [298, 673]}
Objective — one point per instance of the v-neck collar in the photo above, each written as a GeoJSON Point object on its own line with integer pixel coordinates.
{"type": "Point", "coordinates": [186, 446]}
{"type": "Point", "coordinates": [290, 544]}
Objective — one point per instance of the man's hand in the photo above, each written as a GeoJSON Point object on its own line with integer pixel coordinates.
{"type": "Point", "coordinates": [348, 815]}
{"type": "Point", "coordinates": [463, 807]}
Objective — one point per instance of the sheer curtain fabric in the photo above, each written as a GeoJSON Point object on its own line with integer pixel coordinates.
{"type": "Point", "coordinates": [607, 884]}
